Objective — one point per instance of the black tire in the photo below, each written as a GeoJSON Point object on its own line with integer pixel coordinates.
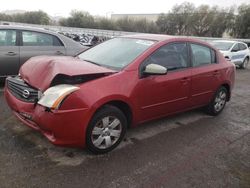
{"type": "Point", "coordinates": [245, 63]}
{"type": "Point", "coordinates": [110, 114]}
{"type": "Point", "coordinates": [215, 107]}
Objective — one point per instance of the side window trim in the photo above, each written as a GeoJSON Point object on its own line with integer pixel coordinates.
{"type": "Point", "coordinates": [213, 58]}
{"type": "Point", "coordinates": [18, 38]}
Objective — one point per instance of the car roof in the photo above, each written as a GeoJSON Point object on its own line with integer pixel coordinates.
{"type": "Point", "coordinates": [27, 28]}
{"type": "Point", "coordinates": [155, 37]}
{"type": "Point", "coordinates": [66, 40]}
{"type": "Point", "coordinates": [229, 41]}
{"type": "Point", "coordinates": [160, 38]}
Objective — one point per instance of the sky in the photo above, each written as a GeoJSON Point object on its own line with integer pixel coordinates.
{"type": "Point", "coordinates": [106, 7]}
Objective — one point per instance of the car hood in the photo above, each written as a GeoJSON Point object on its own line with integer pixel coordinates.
{"type": "Point", "coordinates": [40, 71]}
{"type": "Point", "coordinates": [224, 52]}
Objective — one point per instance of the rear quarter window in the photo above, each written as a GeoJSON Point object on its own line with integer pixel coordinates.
{"type": "Point", "coordinates": [242, 46]}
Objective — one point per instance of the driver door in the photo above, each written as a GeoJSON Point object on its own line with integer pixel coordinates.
{"type": "Point", "coordinates": [161, 95]}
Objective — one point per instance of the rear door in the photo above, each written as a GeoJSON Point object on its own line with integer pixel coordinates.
{"type": "Point", "coordinates": [244, 51]}
{"type": "Point", "coordinates": [205, 74]}
{"type": "Point", "coordinates": [37, 43]}
{"type": "Point", "coordinates": [236, 54]}
{"type": "Point", "coordinates": [9, 53]}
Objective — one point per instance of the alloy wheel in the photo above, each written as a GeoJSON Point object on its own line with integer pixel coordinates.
{"type": "Point", "coordinates": [245, 63]}
{"type": "Point", "coordinates": [106, 132]}
{"type": "Point", "coordinates": [220, 101]}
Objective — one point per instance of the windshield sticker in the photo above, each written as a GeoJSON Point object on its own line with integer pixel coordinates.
{"type": "Point", "coordinates": [145, 42]}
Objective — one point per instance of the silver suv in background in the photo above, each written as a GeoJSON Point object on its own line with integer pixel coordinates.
{"type": "Point", "coordinates": [18, 44]}
{"type": "Point", "coordinates": [237, 52]}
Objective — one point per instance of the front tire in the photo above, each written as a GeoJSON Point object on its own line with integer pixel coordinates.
{"type": "Point", "coordinates": [218, 103]}
{"type": "Point", "coordinates": [106, 129]}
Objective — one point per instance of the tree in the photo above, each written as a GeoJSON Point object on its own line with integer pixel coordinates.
{"type": "Point", "coordinates": [5, 17]}
{"type": "Point", "coordinates": [223, 19]}
{"type": "Point", "coordinates": [201, 20]}
{"type": "Point", "coordinates": [205, 21]}
{"type": "Point", "coordinates": [33, 17]}
{"type": "Point", "coordinates": [241, 26]}
{"type": "Point", "coordinates": [125, 24]}
{"type": "Point", "coordinates": [79, 19]}
{"type": "Point", "coordinates": [104, 23]}
{"type": "Point", "coordinates": [163, 24]}
{"type": "Point", "coordinates": [177, 21]}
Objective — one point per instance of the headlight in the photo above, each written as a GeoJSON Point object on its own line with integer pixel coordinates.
{"type": "Point", "coordinates": [53, 97]}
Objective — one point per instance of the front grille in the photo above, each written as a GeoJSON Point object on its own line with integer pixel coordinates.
{"type": "Point", "coordinates": [21, 90]}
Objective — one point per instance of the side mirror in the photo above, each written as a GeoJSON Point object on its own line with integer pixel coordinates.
{"type": "Point", "coordinates": [154, 69]}
{"type": "Point", "coordinates": [234, 50]}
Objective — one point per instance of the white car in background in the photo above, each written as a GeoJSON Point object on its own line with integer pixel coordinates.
{"type": "Point", "coordinates": [237, 52]}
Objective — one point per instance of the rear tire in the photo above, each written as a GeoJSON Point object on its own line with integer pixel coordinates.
{"type": "Point", "coordinates": [218, 103]}
{"type": "Point", "coordinates": [245, 63]}
{"type": "Point", "coordinates": [106, 129]}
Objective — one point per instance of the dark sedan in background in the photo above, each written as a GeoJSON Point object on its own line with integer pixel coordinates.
{"type": "Point", "coordinates": [18, 44]}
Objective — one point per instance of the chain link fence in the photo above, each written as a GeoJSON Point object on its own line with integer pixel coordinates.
{"type": "Point", "coordinates": [103, 33]}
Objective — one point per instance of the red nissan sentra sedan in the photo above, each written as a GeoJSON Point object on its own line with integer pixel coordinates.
{"type": "Point", "coordinates": [90, 100]}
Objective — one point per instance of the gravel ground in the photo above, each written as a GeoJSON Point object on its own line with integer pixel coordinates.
{"type": "Point", "coordinates": [191, 149]}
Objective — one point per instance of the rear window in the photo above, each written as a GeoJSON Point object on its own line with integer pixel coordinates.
{"type": "Point", "coordinates": [202, 55]}
{"type": "Point", "coordinates": [224, 46]}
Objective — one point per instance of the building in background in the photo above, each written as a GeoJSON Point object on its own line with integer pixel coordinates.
{"type": "Point", "coordinates": [149, 17]}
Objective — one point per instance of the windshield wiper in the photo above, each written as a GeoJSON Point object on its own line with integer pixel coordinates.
{"type": "Point", "coordinates": [101, 65]}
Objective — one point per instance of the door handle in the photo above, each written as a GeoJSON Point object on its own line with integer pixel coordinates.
{"type": "Point", "coordinates": [216, 73]}
{"type": "Point", "coordinates": [59, 53]}
{"type": "Point", "coordinates": [11, 54]}
{"type": "Point", "coordinates": [185, 80]}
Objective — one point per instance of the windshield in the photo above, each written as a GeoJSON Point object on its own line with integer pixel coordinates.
{"type": "Point", "coordinates": [224, 46]}
{"type": "Point", "coordinates": [116, 53]}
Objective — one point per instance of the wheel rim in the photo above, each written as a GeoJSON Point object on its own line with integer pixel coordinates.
{"type": "Point", "coordinates": [106, 132]}
{"type": "Point", "coordinates": [245, 63]}
{"type": "Point", "coordinates": [220, 101]}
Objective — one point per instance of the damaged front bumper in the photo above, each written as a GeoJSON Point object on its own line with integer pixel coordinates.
{"type": "Point", "coordinates": [61, 127]}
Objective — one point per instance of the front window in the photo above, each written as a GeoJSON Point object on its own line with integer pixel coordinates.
{"type": "Point", "coordinates": [7, 38]}
{"type": "Point", "coordinates": [224, 46]}
{"type": "Point", "coordinates": [172, 56]}
{"type": "Point", "coordinates": [116, 53]}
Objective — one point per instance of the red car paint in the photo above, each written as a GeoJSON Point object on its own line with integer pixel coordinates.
{"type": "Point", "coordinates": [47, 67]}
{"type": "Point", "coordinates": [148, 98]}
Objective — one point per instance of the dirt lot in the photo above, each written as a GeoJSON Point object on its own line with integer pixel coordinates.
{"type": "Point", "coordinates": [188, 150]}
